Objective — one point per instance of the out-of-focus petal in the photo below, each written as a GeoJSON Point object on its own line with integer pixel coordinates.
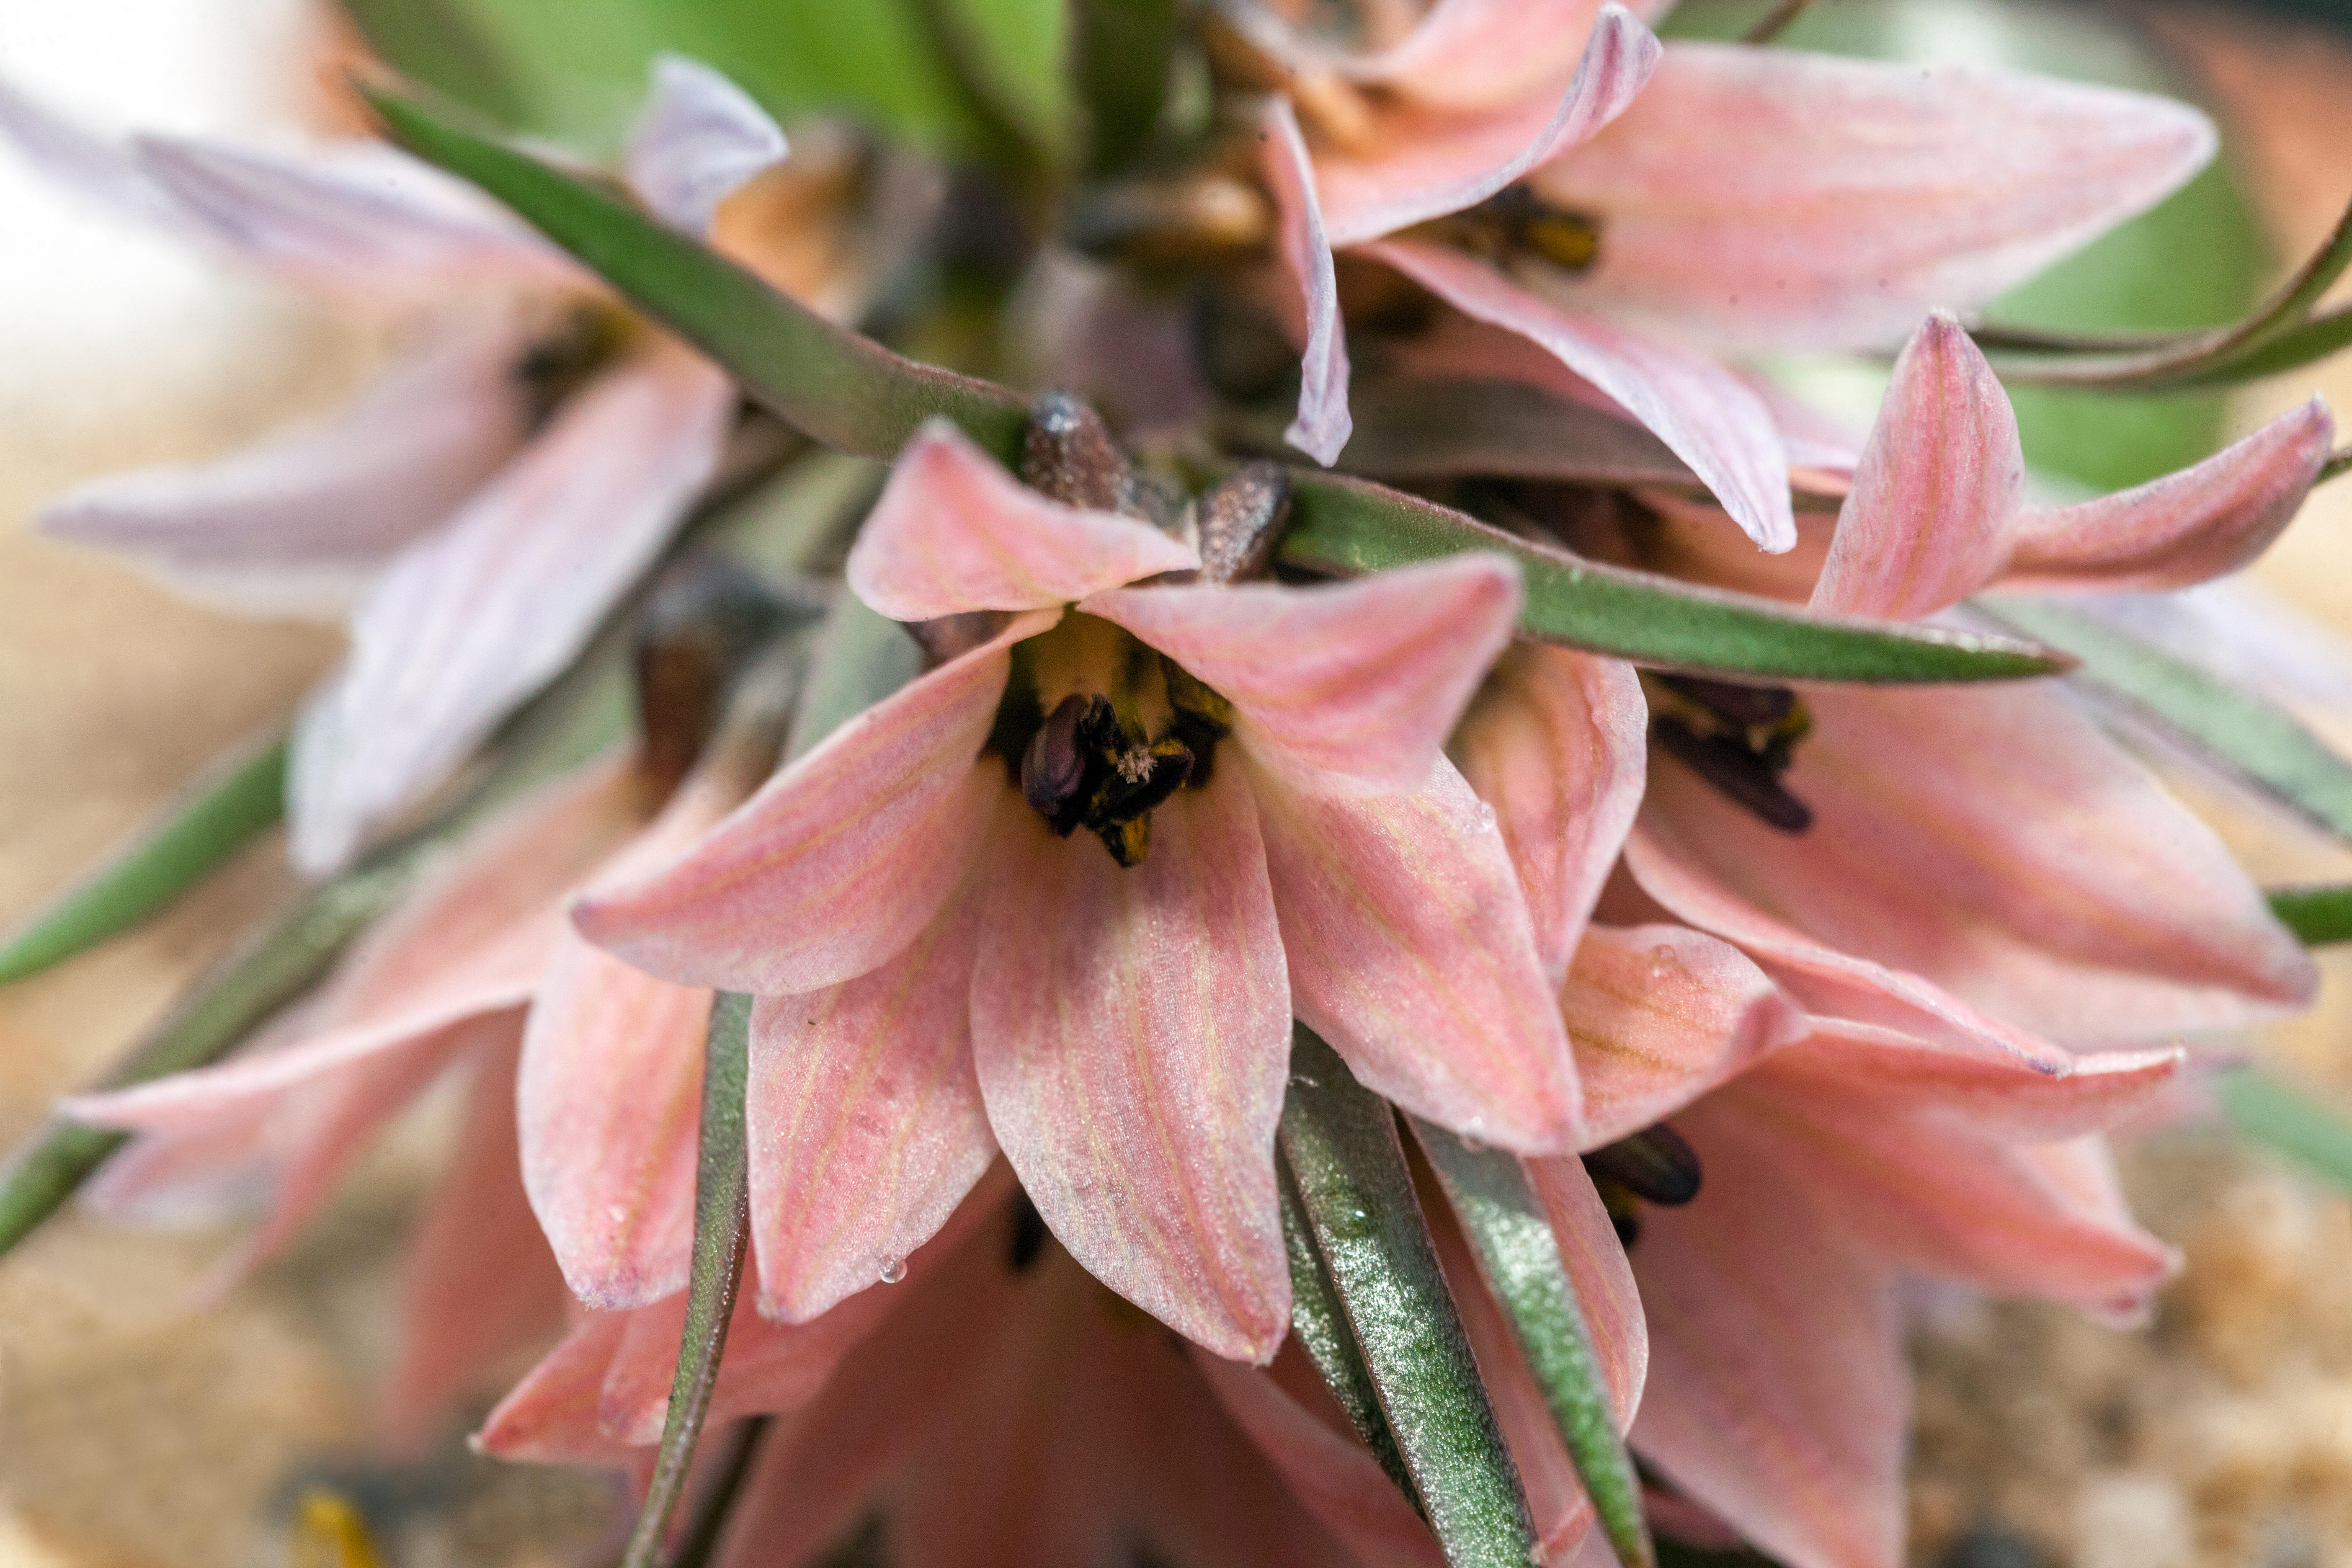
{"type": "Point", "coordinates": [1858, 193]}
{"type": "Point", "coordinates": [697, 140]}
{"type": "Point", "coordinates": [1993, 841]}
{"type": "Point", "coordinates": [550, 1416]}
{"type": "Point", "coordinates": [866, 1123]}
{"type": "Point", "coordinates": [2180, 529]}
{"type": "Point", "coordinates": [1409, 952]}
{"type": "Point", "coordinates": [1323, 424]}
{"type": "Point", "coordinates": [839, 860]}
{"type": "Point", "coordinates": [1345, 687]}
{"type": "Point", "coordinates": [1556, 742]}
{"type": "Point", "coordinates": [1428, 162]}
{"type": "Point", "coordinates": [360, 216]}
{"type": "Point", "coordinates": [1132, 1033]}
{"type": "Point", "coordinates": [1708, 416]}
{"type": "Point", "coordinates": [1474, 54]}
{"type": "Point", "coordinates": [1659, 1015]}
{"type": "Point", "coordinates": [96, 167]}
{"type": "Point", "coordinates": [2007, 1100]}
{"type": "Point", "coordinates": [471, 620]}
{"type": "Point", "coordinates": [480, 1281]}
{"type": "Point", "coordinates": [295, 521]}
{"type": "Point", "coordinates": [1927, 521]}
{"type": "Point", "coordinates": [1778, 1392]}
{"type": "Point", "coordinates": [954, 532]}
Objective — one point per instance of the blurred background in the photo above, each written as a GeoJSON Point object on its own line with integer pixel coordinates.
{"type": "Point", "coordinates": [140, 1426]}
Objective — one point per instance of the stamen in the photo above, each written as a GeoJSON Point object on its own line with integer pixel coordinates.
{"type": "Point", "coordinates": [1054, 767]}
{"type": "Point", "coordinates": [1745, 776]}
{"type": "Point", "coordinates": [1742, 707]}
{"type": "Point", "coordinates": [1654, 1164]}
{"type": "Point", "coordinates": [1517, 222]}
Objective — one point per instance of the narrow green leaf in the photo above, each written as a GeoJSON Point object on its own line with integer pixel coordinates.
{"type": "Point", "coordinates": [1122, 52]}
{"type": "Point", "coordinates": [2253, 738]}
{"type": "Point", "coordinates": [2279, 1116]}
{"type": "Point", "coordinates": [227, 1005]}
{"type": "Point", "coordinates": [1339, 1141]}
{"type": "Point", "coordinates": [2320, 915]}
{"type": "Point", "coordinates": [1520, 1259]}
{"type": "Point", "coordinates": [835, 385]}
{"type": "Point", "coordinates": [226, 807]}
{"type": "Point", "coordinates": [722, 1228]}
{"type": "Point", "coordinates": [1320, 1324]}
{"type": "Point", "coordinates": [2339, 464]}
{"type": "Point", "coordinates": [440, 45]}
{"type": "Point", "coordinates": [1347, 526]}
{"type": "Point", "coordinates": [2314, 339]}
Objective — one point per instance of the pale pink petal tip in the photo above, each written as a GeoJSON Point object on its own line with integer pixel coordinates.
{"type": "Point", "coordinates": [1935, 497]}
{"type": "Point", "coordinates": [1344, 688]}
{"type": "Point", "coordinates": [698, 138]}
{"type": "Point", "coordinates": [954, 532]}
{"type": "Point", "coordinates": [1324, 424]}
{"type": "Point", "coordinates": [96, 167]}
{"type": "Point", "coordinates": [2182, 529]}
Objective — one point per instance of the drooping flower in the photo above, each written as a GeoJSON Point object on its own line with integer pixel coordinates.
{"type": "Point", "coordinates": [945, 964]}
{"type": "Point", "coordinates": [1633, 239]}
{"type": "Point", "coordinates": [482, 504]}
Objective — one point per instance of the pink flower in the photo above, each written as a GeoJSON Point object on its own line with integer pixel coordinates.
{"type": "Point", "coordinates": [994, 1406]}
{"type": "Point", "coordinates": [1855, 197]}
{"type": "Point", "coordinates": [480, 505]}
{"type": "Point", "coordinates": [945, 965]}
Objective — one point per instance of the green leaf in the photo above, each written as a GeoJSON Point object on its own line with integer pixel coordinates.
{"type": "Point", "coordinates": [2318, 916]}
{"type": "Point", "coordinates": [1339, 1143]}
{"type": "Point", "coordinates": [1520, 1259]}
{"type": "Point", "coordinates": [440, 44]}
{"type": "Point", "coordinates": [723, 1229]}
{"type": "Point", "coordinates": [832, 384]}
{"type": "Point", "coordinates": [1320, 1324]}
{"type": "Point", "coordinates": [226, 808]}
{"type": "Point", "coordinates": [2282, 1117]}
{"type": "Point", "coordinates": [1122, 55]}
{"type": "Point", "coordinates": [1348, 526]}
{"type": "Point", "coordinates": [2253, 738]}
{"type": "Point", "coordinates": [227, 1005]}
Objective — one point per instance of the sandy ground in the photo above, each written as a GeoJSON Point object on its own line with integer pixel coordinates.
{"type": "Point", "coordinates": [140, 1425]}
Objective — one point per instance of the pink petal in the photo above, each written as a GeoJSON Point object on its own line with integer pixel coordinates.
{"type": "Point", "coordinates": [1132, 1034]}
{"type": "Point", "coordinates": [1710, 417]}
{"type": "Point", "coordinates": [359, 216]}
{"type": "Point", "coordinates": [610, 1102]}
{"type": "Point", "coordinates": [1660, 1014]}
{"type": "Point", "coordinates": [1409, 950]}
{"type": "Point", "coordinates": [866, 1126]}
{"type": "Point", "coordinates": [1557, 743]}
{"type": "Point", "coordinates": [1342, 687]}
{"type": "Point", "coordinates": [839, 860]}
{"type": "Point", "coordinates": [480, 1281]}
{"type": "Point", "coordinates": [2186, 527]}
{"type": "Point", "coordinates": [1778, 1388]}
{"type": "Point", "coordinates": [1993, 841]}
{"type": "Point", "coordinates": [1323, 424]}
{"type": "Point", "coordinates": [1602, 1278]}
{"type": "Point", "coordinates": [1435, 160]}
{"type": "Point", "coordinates": [470, 620]}
{"type": "Point", "coordinates": [298, 518]}
{"type": "Point", "coordinates": [1333, 1476]}
{"type": "Point", "coordinates": [1858, 193]}
{"type": "Point", "coordinates": [1929, 520]}
{"type": "Point", "coordinates": [550, 1416]}
{"type": "Point", "coordinates": [96, 167]}
{"type": "Point", "coordinates": [1474, 54]}
{"type": "Point", "coordinates": [695, 141]}
{"type": "Point", "coordinates": [954, 532]}
{"type": "Point", "coordinates": [1923, 1188]}
{"type": "Point", "coordinates": [2008, 1100]}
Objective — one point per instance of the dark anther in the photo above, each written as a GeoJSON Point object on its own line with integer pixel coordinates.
{"type": "Point", "coordinates": [1028, 1233]}
{"type": "Point", "coordinates": [701, 626]}
{"type": "Point", "coordinates": [1654, 1164]}
{"type": "Point", "coordinates": [1741, 707]}
{"type": "Point", "coordinates": [1054, 767]}
{"type": "Point", "coordinates": [1242, 521]}
{"type": "Point", "coordinates": [1748, 776]}
{"type": "Point", "coordinates": [1514, 220]}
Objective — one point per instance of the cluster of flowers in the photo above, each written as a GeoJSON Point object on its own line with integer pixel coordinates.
{"type": "Point", "coordinates": [1782, 997]}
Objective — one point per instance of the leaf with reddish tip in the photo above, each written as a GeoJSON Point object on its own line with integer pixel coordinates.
{"type": "Point", "coordinates": [1339, 1143]}
{"type": "Point", "coordinates": [842, 389]}
{"type": "Point", "coordinates": [1347, 527]}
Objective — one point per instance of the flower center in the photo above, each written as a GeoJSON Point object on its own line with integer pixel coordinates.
{"type": "Point", "coordinates": [1102, 730]}
{"type": "Point", "coordinates": [1516, 222]}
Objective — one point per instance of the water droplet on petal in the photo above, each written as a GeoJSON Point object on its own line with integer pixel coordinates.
{"type": "Point", "coordinates": [617, 1213]}
{"type": "Point", "coordinates": [1663, 961]}
{"type": "Point", "coordinates": [894, 1270]}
